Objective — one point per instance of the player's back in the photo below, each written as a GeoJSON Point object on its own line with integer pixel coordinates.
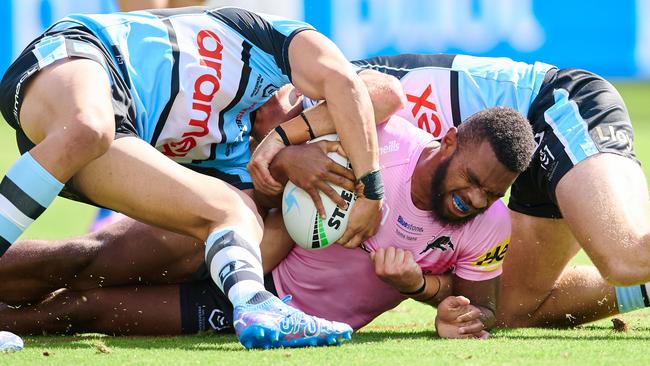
{"type": "Point", "coordinates": [443, 90]}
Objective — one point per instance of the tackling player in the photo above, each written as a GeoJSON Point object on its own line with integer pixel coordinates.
{"type": "Point", "coordinates": [442, 212]}
{"type": "Point", "coordinates": [106, 106]}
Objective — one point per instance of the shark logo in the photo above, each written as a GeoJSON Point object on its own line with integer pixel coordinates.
{"type": "Point", "coordinates": [290, 200]}
{"type": "Point", "coordinates": [443, 243]}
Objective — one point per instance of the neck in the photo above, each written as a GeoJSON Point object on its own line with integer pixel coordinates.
{"type": "Point", "coordinates": [422, 175]}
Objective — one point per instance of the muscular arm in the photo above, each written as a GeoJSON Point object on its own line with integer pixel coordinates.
{"type": "Point", "coordinates": [320, 71]}
{"type": "Point", "coordinates": [387, 98]}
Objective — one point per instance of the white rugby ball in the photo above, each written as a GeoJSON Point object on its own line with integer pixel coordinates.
{"type": "Point", "coordinates": [301, 219]}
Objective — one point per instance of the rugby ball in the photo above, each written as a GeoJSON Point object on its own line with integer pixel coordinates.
{"type": "Point", "coordinates": [301, 219]}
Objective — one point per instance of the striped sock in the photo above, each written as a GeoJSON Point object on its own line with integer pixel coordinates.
{"type": "Point", "coordinates": [25, 192]}
{"type": "Point", "coordinates": [631, 298]}
{"type": "Point", "coordinates": [235, 265]}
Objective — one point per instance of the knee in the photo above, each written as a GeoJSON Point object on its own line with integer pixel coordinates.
{"type": "Point", "coordinates": [88, 135]}
{"type": "Point", "coordinates": [624, 273]}
{"type": "Point", "coordinates": [242, 216]}
{"type": "Point", "coordinates": [72, 310]}
{"type": "Point", "coordinates": [518, 305]}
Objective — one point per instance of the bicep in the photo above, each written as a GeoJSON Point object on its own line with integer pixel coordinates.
{"type": "Point", "coordinates": [314, 59]}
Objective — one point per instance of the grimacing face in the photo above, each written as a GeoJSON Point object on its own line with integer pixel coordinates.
{"type": "Point", "coordinates": [467, 183]}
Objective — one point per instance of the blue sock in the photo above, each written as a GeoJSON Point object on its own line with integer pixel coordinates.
{"type": "Point", "coordinates": [235, 266]}
{"type": "Point", "coordinates": [631, 298]}
{"type": "Point", "coordinates": [25, 192]}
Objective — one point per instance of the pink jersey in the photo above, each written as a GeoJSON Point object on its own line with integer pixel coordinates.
{"type": "Point", "coordinates": [340, 284]}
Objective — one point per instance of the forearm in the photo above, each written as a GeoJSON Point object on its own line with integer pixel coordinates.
{"type": "Point", "coordinates": [437, 288]}
{"type": "Point", "coordinates": [482, 294]}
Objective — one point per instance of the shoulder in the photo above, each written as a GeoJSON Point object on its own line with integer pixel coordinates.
{"type": "Point", "coordinates": [493, 223]}
{"type": "Point", "coordinates": [399, 141]}
{"type": "Point", "coordinates": [399, 128]}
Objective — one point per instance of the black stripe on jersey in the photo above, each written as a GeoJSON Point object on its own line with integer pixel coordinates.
{"type": "Point", "coordinates": [21, 200]}
{"type": "Point", "coordinates": [260, 33]}
{"type": "Point", "coordinates": [453, 92]}
{"type": "Point", "coordinates": [174, 87]}
{"type": "Point", "coordinates": [243, 83]}
{"type": "Point", "coordinates": [4, 245]}
{"type": "Point", "coordinates": [400, 65]}
{"type": "Point", "coordinates": [644, 293]}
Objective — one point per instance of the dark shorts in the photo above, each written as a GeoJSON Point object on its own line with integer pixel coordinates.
{"type": "Point", "coordinates": [76, 42]}
{"type": "Point", "coordinates": [576, 115]}
{"type": "Point", "coordinates": [47, 49]}
{"type": "Point", "coordinates": [204, 307]}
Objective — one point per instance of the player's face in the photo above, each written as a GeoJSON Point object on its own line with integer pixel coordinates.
{"type": "Point", "coordinates": [466, 183]}
{"type": "Point", "coordinates": [285, 104]}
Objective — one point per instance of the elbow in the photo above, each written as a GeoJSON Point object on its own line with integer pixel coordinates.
{"type": "Point", "coordinates": [334, 80]}
{"type": "Point", "coordinates": [394, 99]}
{"type": "Point", "coordinates": [386, 94]}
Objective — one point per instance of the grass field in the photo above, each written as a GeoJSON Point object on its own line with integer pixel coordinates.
{"type": "Point", "coordinates": [404, 335]}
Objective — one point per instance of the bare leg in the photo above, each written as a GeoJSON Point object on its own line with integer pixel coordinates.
{"type": "Point", "coordinates": [124, 253]}
{"type": "Point", "coordinates": [605, 202]}
{"type": "Point", "coordinates": [539, 250]}
{"type": "Point", "coordinates": [276, 243]}
{"type": "Point", "coordinates": [153, 310]}
{"type": "Point", "coordinates": [581, 295]}
{"type": "Point", "coordinates": [606, 208]}
{"type": "Point", "coordinates": [127, 252]}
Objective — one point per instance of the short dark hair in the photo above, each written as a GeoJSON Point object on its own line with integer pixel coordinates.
{"type": "Point", "coordinates": [506, 130]}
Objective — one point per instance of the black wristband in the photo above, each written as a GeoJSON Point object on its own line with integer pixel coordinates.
{"type": "Point", "coordinates": [434, 295]}
{"type": "Point", "coordinates": [283, 136]}
{"type": "Point", "coordinates": [373, 186]}
{"type": "Point", "coordinates": [419, 290]}
{"type": "Point", "coordinates": [311, 132]}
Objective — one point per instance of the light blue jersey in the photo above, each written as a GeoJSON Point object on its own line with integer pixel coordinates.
{"type": "Point", "coordinates": [195, 75]}
{"type": "Point", "coordinates": [443, 90]}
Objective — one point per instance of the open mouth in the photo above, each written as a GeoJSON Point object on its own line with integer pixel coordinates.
{"type": "Point", "coordinates": [459, 204]}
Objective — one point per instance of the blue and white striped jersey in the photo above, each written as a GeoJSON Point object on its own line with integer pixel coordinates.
{"type": "Point", "coordinates": [442, 90]}
{"type": "Point", "coordinates": [196, 74]}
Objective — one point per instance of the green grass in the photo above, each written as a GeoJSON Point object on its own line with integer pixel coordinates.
{"type": "Point", "coordinates": [404, 335]}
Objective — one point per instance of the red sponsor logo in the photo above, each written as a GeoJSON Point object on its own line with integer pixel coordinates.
{"type": "Point", "coordinates": [426, 112]}
{"type": "Point", "coordinates": [206, 87]}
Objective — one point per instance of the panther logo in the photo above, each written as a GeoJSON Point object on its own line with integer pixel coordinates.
{"type": "Point", "coordinates": [443, 243]}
